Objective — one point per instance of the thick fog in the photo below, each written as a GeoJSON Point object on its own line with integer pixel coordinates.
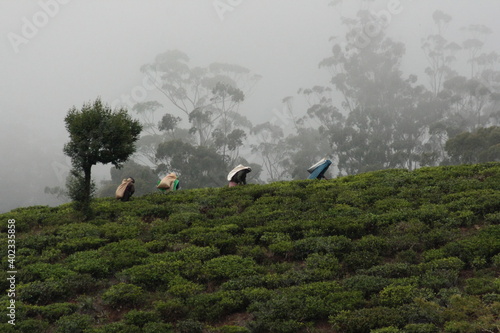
{"type": "Point", "coordinates": [56, 54]}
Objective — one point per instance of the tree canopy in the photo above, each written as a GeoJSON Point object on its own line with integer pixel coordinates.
{"type": "Point", "coordinates": [97, 135]}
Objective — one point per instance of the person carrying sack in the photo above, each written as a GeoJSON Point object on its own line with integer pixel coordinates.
{"type": "Point", "coordinates": [125, 189]}
{"type": "Point", "coordinates": [238, 176]}
{"type": "Point", "coordinates": [168, 183]}
{"type": "Point", "coordinates": [317, 171]}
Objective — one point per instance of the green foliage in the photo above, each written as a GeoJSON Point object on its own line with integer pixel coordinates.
{"type": "Point", "coordinates": [74, 323]}
{"type": "Point", "coordinates": [476, 147]}
{"type": "Point", "coordinates": [124, 295]}
{"type": "Point", "coordinates": [228, 267]}
{"type": "Point", "coordinates": [52, 312]}
{"type": "Point", "coordinates": [119, 327]}
{"type": "Point", "coordinates": [181, 287]}
{"type": "Point", "coordinates": [364, 320]}
{"type": "Point", "coordinates": [367, 284]}
{"type": "Point", "coordinates": [43, 292]}
{"type": "Point", "coordinates": [210, 307]}
{"type": "Point", "coordinates": [396, 295]}
{"type": "Point", "coordinates": [29, 326]}
{"type": "Point", "coordinates": [338, 246]}
{"type": "Point", "coordinates": [421, 328]}
{"type": "Point", "coordinates": [275, 261]}
{"type": "Point", "coordinates": [171, 310]}
{"type": "Point", "coordinates": [140, 318]}
{"type": "Point", "coordinates": [97, 135]}
{"type": "Point", "coordinates": [189, 326]}
{"type": "Point", "coordinates": [153, 327]}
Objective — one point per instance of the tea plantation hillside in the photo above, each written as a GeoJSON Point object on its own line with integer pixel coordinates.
{"type": "Point", "coordinates": [387, 251]}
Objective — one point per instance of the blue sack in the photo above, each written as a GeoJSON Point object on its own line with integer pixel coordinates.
{"type": "Point", "coordinates": [318, 170]}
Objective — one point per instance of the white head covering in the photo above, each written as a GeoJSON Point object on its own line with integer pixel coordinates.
{"type": "Point", "coordinates": [235, 170]}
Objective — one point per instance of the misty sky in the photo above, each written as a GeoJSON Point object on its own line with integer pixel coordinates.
{"type": "Point", "coordinates": [82, 49]}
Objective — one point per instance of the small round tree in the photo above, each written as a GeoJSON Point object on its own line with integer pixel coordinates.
{"type": "Point", "coordinates": [97, 135]}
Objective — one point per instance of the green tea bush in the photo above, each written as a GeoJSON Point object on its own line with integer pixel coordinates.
{"type": "Point", "coordinates": [350, 198]}
{"type": "Point", "coordinates": [485, 244]}
{"type": "Point", "coordinates": [282, 249]}
{"type": "Point", "coordinates": [150, 211]}
{"type": "Point", "coordinates": [118, 327]}
{"type": "Point", "coordinates": [438, 237]}
{"type": "Point", "coordinates": [52, 312]}
{"type": "Point", "coordinates": [388, 204]}
{"type": "Point", "coordinates": [450, 263]}
{"type": "Point", "coordinates": [464, 307]}
{"type": "Point", "coordinates": [296, 307]}
{"type": "Point", "coordinates": [390, 329]}
{"type": "Point", "coordinates": [43, 292]}
{"type": "Point", "coordinates": [322, 267]}
{"type": "Point", "coordinates": [123, 254]}
{"type": "Point", "coordinates": [253, 295]}
{"type": "Point", "coordinates": [459, 327]}
{"type": "Point", "coordinates": [80, 244]}
{"type": "Point", "coordinates": [421, 328]}
{"type": "Point", "coordinates": [396, 295]}
{"type": "Point", "coordinates": [74, 323]}
{"type": "Point", "coordinates": [153, 327]}
{"type": "Point", "coordinates": [230, 329]}
{"type": "Point", "coordinates": [433, 214]}
{"type": "Point", "coordinates": [243, 282]}
{"type": "Point", "coordinates": [156, 246]}
{"type": "Point", "coordinates": [44, 271]}
{"type": "Point", "coordinates": [338, 246]}
{"type": "Point", "coordinates": [481, 202]}
{"type": "Point", "coordinates": [189, 326]}
{"type": "Point", "coordinates": [38, 242]}
{"type": "Point", "coordinates": [29, 326]}
{"type": "Point", "coordinates": [180, 287]}
{"type": "Point", "coordinates": [256, 252]}
{"type": "Point", "coordinates": [154, 276]}
{"type": "Point", "coordinates": [367, 284]}
{"type": "Point", "coordinates": [464, 218]}
{"type": "Point", "coordinates": [391, 270]}
{"type": "Point", "coordinates": [405, 234]}
{"type": "Point", "coordinates": [407, 257]}
{"type": "Point", "coordinates": [124, 295]}
{"type": "Point", "coordinates": [78, 230]}
{"type": "Point", "coordinates": [30, 217]}
{"type": "Point", "coordinates": [51, 255]}
{"type": "Point", "coordinates": [229, 267]}
{"type": "Point", "coordinates": [269, 238]}
{"type": "Point", "coordinates": [171, 310]}
{"type": "Point", "coordinates": [187, 217]}
{"type": "Point", "coordinates": [90, 262]}
{"type": "Point", "coordinates": [161, 228]}
{"type": "Point", "coordinates": [480, 286]}
{"type": "Point", "coordinates": [216, 237]}
{"type": "Point", "coordinates": [140, 318]}
{"type": "Point", "coordinates": [360, 260]}
{"type": "Point", "coordinates": [366, 319]}
{"type": "Point", "coordinates": [214, 306]}
{"type": "Point", "coordinates": [373, 243]}
{"type": "Point", "coordinates": [115, 232]}
{"type": "Point", "coordinates": [439, 279]}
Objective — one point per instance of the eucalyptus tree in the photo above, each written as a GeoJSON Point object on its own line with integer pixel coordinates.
{"type": "Point", "coordinates": [206, 98]}
{"type": "Point", "coordinates": [379, 124]}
